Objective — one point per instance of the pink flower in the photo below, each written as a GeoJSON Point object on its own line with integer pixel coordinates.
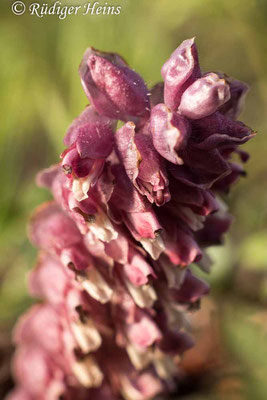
{"type": "Point", "coordinates": [90, 141]}
{"type": "Point", "coordinates": [142, 163]}
{"type": "Point", "coordinates": [112, 87]}
{"type": "Point", "coordinates": [170, 132]}
{"type": "Point", "coordinates": [179, 72]}
{"type": "Point", "coordinates": [204, 97]}
{"type": "Point", "coordinates": [133, 209]}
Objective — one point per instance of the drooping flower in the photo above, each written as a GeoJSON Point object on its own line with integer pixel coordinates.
{"type": "Point", "coordinates": [90, 141]}
{"type": "Point", "coordinates": [133, 209]}
{"type": "Point", "coordinates": [142, 163]}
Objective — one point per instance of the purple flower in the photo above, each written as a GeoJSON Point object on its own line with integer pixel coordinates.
{"type": "Point", "coordinates": [179, 72]}
{"type": "Point", "coordinates": [90, 141]}
{"type": "Point", "coordinates": [238, 91]}
{"type": "Point", "coordinates": [204, 97]}
{"type": "Point", "coordinates": [142, 163]}
{"type": "Point", "coordinates": [170, 132]}
{"type": "Point", "coordinates": [114, 89]}
{"type": "Point", "coordinates": [133, 209]}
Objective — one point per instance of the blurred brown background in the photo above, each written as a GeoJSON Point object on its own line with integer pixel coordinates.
{"type": "Point", "coordinates": [41, 94]}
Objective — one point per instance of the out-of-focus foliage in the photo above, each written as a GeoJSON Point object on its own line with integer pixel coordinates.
{"type": "Point", "coordinates": [40, 95]}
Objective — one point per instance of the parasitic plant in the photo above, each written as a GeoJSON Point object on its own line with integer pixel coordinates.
{"type": "Point", "coordinates": [134, 208]}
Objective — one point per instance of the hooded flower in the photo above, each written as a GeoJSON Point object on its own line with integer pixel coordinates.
{"type": "Point", "coordinates": [114, 89]}
{"type": "Point", "coordinates": [90, 141]}
{"type": "Point", "coordinates": [142, 164]}
{"type": "Point", "coordinates": [170, 132]}
{"type": "Point", "coordinates": [133, 209]}
{"type": "Point", "coordinates": [179, 72]}
{"type": "Point", "coordinates": [204, 97]}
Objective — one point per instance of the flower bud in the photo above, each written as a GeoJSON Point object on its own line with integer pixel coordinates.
{"type": "Point", "coordinates": [112, 87]}
{"type": "Point", "coordinates": [179, 72]}
{"type": "Point", "coordinates": [192, 289]}
{"type": "Point", "coordinates": [204, 97]}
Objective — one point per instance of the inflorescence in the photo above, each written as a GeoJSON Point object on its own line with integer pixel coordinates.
{"type": "Point", "coordinates": [134, 210]}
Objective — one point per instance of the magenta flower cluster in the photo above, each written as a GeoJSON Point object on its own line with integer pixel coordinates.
{"type": "Point", "coordinates": [134, 210]}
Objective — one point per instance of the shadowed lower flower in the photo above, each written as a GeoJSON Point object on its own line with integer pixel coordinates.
{"type": "Point", "coordinates": [132, 215]}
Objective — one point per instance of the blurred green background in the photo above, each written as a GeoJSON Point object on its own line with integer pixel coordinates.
{"type": "Point", "coordinates": [41, 94]}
